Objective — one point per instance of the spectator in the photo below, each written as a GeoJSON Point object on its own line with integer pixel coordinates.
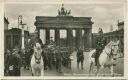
{"type": "Point", "coordinates": [16, 62]}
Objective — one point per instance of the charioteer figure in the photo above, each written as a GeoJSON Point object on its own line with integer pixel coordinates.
{"type": "Point", "coordinates": [64, 12]}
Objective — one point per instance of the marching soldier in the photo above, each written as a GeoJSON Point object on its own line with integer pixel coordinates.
{"type": "Point", "coordinates": [50, 58]}
{"type": "Point", "coordinates": [10, 63]}
{"type": "Point", "coordinates": [45, 58]}
{"type": "Point", "coordinates": [58, 59]}
{"type": "Point", "coordinates": [16, 63]}
{"type": "Point", "coordinates": [80, 57]}
{"type": "Point", "coordinates": [6, 61]}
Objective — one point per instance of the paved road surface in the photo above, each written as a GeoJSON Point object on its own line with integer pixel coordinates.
{"type": "Point", "coordinates": [78, 72]}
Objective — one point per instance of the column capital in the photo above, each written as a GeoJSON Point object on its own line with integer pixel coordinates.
{"type": "Point", "coordinates": [69, 37]}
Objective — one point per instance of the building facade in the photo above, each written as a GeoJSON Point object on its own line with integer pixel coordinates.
{"type": "Point", "coordinates": [64, 21]}
{"type": "Point", "coordinates": [14, 38]}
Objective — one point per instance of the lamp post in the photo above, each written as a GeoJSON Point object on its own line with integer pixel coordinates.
{"type": "Point", "coordinates": [23, 36]}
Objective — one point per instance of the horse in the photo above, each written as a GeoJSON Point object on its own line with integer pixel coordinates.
{"type": "Point", "coordinates": [37, 64]}
{"type": "Point", "coordinates": [106, 58]}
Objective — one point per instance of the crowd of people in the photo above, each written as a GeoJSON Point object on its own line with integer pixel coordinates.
{"type": "Point", "coordinates": [56, 57]}
{"type": "Point", "coordinates": [12, 62]}
{"type": "Point", "coordinates": [53, 57]}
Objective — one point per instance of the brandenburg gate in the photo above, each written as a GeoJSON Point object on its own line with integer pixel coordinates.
{"type": "Point", "coordinates": [65, 21]}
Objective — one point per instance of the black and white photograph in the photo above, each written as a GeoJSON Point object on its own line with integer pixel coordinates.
{"type": "Point", "coordinates": [64, 39]}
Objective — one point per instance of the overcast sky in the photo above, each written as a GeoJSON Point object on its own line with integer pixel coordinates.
{"type": "Point", "coordinates": [103, 15]}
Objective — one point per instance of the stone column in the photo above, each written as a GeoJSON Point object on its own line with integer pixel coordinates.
{"type": "Point", "coordinates": [57, 36]}
{"type": "Point", "coordinates": [90, 37]}
{"type": "Point", "coordinates": [78, 38]}
{"type": "Point", "coordinates": [85, 38]}
{"type": "Point", "coordinates": [11, 41]}
{"type": "Point", "coordinates": [38, 32]}
{"type": "Point", "coordinates": [69, 37]}
{"type": "Point", "coordinates": [47, 35]}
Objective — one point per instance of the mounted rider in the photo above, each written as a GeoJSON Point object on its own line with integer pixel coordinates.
{"type": "Point", "coordinates": [31, 45]}
{"type": "Point", "coordinates": [100, 44]}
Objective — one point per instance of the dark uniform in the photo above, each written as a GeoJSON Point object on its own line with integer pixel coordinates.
{"type": "Point", "coordinates": [10, 63]}
{"type": "Point", "coordinates": [49, 54]}
{"type": "Point", "coordinates": [14, 64]}
{"type": "Point", "coordinates": [80, 58]}
{"type": "Point", "coordinates": [27, 59]}
{"type": "Point", "coordinates": [17, 64]}
{"type": "Point", "coordinates": [58, 56]}
{"type": "Point", "coordinates": [101, 42]}
{"type": "Point", "coordinates": [45, 58]}
{"type": "Point", "coordinates": [68, 60]}
{"type": "Point", "coordinates": [7, 59]}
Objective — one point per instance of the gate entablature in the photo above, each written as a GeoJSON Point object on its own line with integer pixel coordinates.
{"type": "Point", "coordinates": [63, 22]}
